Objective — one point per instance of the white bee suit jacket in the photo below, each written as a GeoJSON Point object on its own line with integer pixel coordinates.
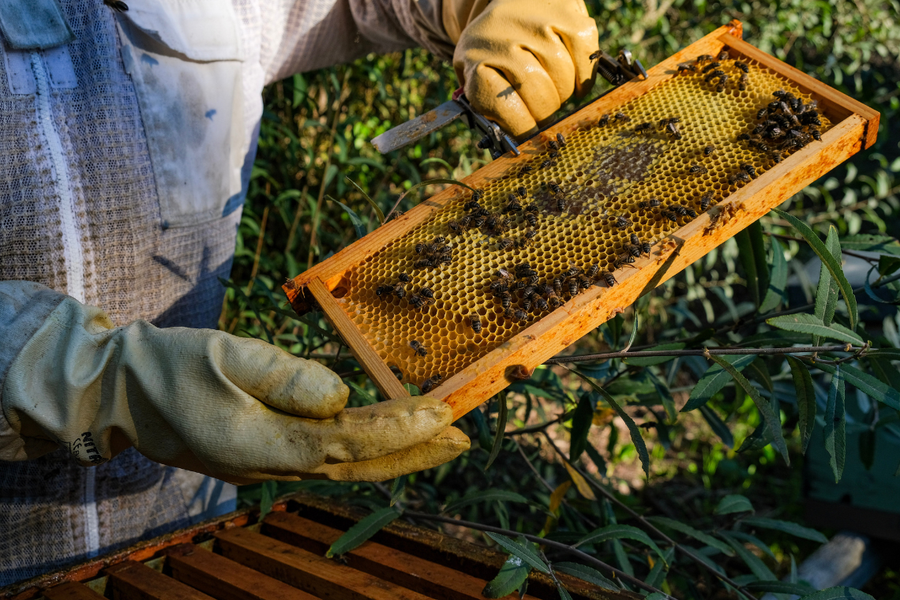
{"type": "Point", "coordinates": [125, 156]}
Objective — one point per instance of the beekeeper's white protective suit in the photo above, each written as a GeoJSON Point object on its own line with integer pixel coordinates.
{"type": "Point", "coordinates": [126, 142]}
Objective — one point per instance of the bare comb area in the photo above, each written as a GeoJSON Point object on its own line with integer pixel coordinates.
{"type": "Point", "coordinates": [569, 217]}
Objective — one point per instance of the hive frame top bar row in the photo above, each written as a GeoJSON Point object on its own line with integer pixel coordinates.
{"type": "Point", "coordinates": [854, 128]}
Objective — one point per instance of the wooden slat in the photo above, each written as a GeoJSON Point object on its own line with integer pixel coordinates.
{"type": "Point", "coordinates": [432, 579]}
{"type": "Point", "coordinates": [225, 579]}
{"type": "Point", "coordinates": [314, 574]}
{"type": "Point", "coordinates": [135, 581]}
{"type": "Point", "coordinates": [832, 101]}
{"type": "Point", "coordinates": [71, 591]}
{"type": "Point", "coordinates": [383, 377]}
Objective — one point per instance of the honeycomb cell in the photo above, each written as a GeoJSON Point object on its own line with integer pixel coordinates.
{"type": "Point", "coordinates": [600, 175]}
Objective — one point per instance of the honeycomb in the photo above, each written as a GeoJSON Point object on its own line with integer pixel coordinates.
{"type": "Point", "coordinates": [589, 196]}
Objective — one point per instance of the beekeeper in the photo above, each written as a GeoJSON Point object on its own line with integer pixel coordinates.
{"type": "Point", "coordinates": [126, 144]}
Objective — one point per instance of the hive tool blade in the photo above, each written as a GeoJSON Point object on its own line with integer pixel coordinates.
{"type": "Point", "coordinates": [416, 129]}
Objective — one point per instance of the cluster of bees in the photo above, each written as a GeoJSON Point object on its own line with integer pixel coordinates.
{"type": "Point", "coordinates": [786, 124]}
{"type": "Point", "coordinates": [714, 70]}
{"type": "Point", "coordinates": [420, 299]}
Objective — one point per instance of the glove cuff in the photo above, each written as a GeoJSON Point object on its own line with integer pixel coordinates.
{"type": "Point", "coordinates": [24, 307]}
{"type": "Point", "coordinates": [422, 20]}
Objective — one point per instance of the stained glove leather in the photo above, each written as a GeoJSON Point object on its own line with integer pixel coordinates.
{"type": "Point", "coordinates": [234, 408]}
{"type": "Point", "coordinates": [519, 60]}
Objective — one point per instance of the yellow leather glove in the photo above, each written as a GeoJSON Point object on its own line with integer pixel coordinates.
{"type": "Point", "coordinates": [237, 409]}
{"type": "Point", "coordinates": [519, 60]}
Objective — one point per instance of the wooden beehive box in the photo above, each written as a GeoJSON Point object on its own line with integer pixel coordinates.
{"type": "Point", "coordinates": [589, 197]}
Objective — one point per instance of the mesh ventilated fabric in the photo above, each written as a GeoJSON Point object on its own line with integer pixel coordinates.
{"type": "Point", "coordinates": [135, 269]}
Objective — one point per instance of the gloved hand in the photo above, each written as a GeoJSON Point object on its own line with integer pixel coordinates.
{"type": "Point", "coordinates": [234, 408]}
{"type": "Point", "coordinates": [519, 60]}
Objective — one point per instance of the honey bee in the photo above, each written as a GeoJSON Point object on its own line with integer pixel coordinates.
{"type": "Point", "coordinates": [609, 279]}
{"type": "Point", "coordinates": [723, 80]}
{"type": "Point", "coordinates": [560, 204]}
{"type": "Point", "coordinates": [604, 121]}
{"type": "Point", "coordinates": [524, 171]}
{"type": "Point", "coordinates": [505, 299]}
{"type": "Point", "coordinates": [672, 129]}
{"type": "Point", "coordinates": [744, 137]}
{"type": "Point", "coordinates": [426, 293]}
{"type": "Point", "coordinates": [540, 303]}
{"type": "Point", "coordinates": [708, 150]}
{"type": "Point", "coordinates": [743, 176]}
{"type": "Point", "coordinates": [704, 58]}
{"type": "Point", "coordinates": [505, 244]}
{"type": "Point", "coordinates": [749, 169]}
{"type": "Point", "coordinates": [776, 157]}
{"type": "Point", "coordinates": [420, 248]}
{"type": "Point", "coordinates": [594, 269]}
{"type": "Point", "coordinates": [395, 215]}
{"type": "Point", "coordinates": [554, 187]}
{"type": "Point", "coordinates": [642, 127]}
{"type": "Point", "coordinates": [528, 238]}
{"type": "Point", "coordinates": [623, 259]}
{"type": "Point", "coordinates": [475, 322]}
{"type": "Point", "coordinates": [419, 348]}
{"type": "Point", "coordinates": [521, 191]}
{"type": "Point", "coordinates": [622, 117]}
{"type": "Point", "coordinates": [416, 301]}
{"type": "Point", "coordinates": [584, 283]}
{"type": "Point", "coordinates": [684, 211]}
{"type": "Point", "coordinates": [381, 290]}
{"type": "Point", "coordinates": [526, 305]}
{"type": "Point", "coordinates": [557, 285]}
{"type": "Point", "coordinates": [705, 200]}
{"type": "Point", "coordinates": [817, 135]}
{"type": "Point", "coordinates": [529, 291]}
{"type": "Point", "coordinates": [498, 287]}
{"type": "Point", "coordinates": [686, 68]}
{"type": "Point", "coordinates": [512, 207]}
{"type": "Point", "coordinates": [439, 240]}
{"type": "Point", "coordinates": [698, 170]}
{"type": "Point", "coordinates": [635, 239]}
{"type": "Point", "coordinates": [732, 179]}
{"type": "Point", "coordinates": [531, 219]}
{"type": "Point", "coordinates": [595, 55]}
{"type": "Point", "coordinates": [661, 124]}
{"type": "Point", "coordinates": [471, 205]}
{"type": "Point", "coordinates": [572, 272]}
{"type": "Point", "coordinates": [762, 113]}
{"type": "Point", "coordinates": [561, 140]}
{"type": "Point", "coordinates": [547, 164]}
{"type": "Point", "coordinates": [424, 263]}
{"type": "Point", "coordinates": [634, 251]}
{"type": "Point", "coordinates": [714, 75]}
{"type": "Point", "coordinates": [743, 82]}
{"type": "Point", "coordinates": [519, 315]}
{"type": "Point", "coordinates": [477, 194]}
{"type": "Point", "coordinates": [465, 222]}
{"type": "Point", "coordinates": [622, 222]}
{"type": "Point", "coordinates": [723, 55]}
{"type": "Point", "coordinates": [669, 215]}
{"type": "Point", "coordinates": [645, 248]}
{"type": "Point", "coordinates": [430, 383]}
{"type": "Point", "coordinates": [710, 67]}
{"type": "Point", "coordinates": [651, 203]}
{"type": "Point", "coordinates": [573, 287]}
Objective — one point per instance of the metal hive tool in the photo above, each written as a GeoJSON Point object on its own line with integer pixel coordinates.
{"type": "Point", "coordinates": [592, 190]}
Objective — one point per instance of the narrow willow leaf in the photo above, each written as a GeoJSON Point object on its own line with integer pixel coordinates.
{"type": "Point", "coordinates": [758, 371]}
{"type": "Point", "coordinates": [512, 575]}
{"type": "Point", "coordinates": [659, 571]}
{"type": "Point", "coordinates": [883, 244]}
{"type": "Point", "coordinates": [752, 539]}
{"type": "Point", "coordinates": [622, 557]}
{"type": "Point", "coordinates": [787, 527]}
{"type": "Point", "coordinates": [362, 531]}
{"type": "Point", "coordinates": [557, 496]}
{"type": "Point", "coordinates": [268, 490]}
{"type": "Point", "coordinates": [806, 400]}
{"type": "Point", "coordinates": [759, 256]}
{"type": "Point", "coordinates": [765, 409]}
{"type": "Point", "coordinates": [835, 425]}
{"type": "Point", "coordinates": [358, 225]}
{"type": "Point", "coordinates": [581, 483]}
{"type": "Point", "coordinates": [756, 566]}
{"type": "Point", "coordinates": [694, 533]}
{"type": "Point", "coordinates": [582, 419]}
{"type": "Point", "coordinates": [563, 592]}
{"type": "Point", "coordinates": [779, 587]}
{"type": "Point", "coordinates": [777, 290]}
{"type": "Point", "coordinates": [524, 552]}
{"type": "Point", "coordinates": [869, 385]}
{"type": "Point", "coordinates": [867, 441]}
{"type": "Point", "coordinates": [748, 262]}
{"type": "Point", "coordinates": [717, 425]}
{"type": "Point", "coordinates": [656, 596]}
{"type": "Point", "coordinates": [378, 211]}
{"type": "Point", "coordinates": [803, 323]}
{"type": "Point", "coordinates": [665, 396]}
{"type": "Point", "coordinates": [827, 290]}
{"type": "Point", "coordinates": [870, 291]}
{"type": "Point", "coordinates": [733, 503]}
{"type": "Point", "coordinates": [587, 574]}
{"type": "Point", "coordinates": [633, 429]}
{"type": "Point", "coordinates": [833, 265]}
{"type": "Point", "coordinates": [838, 593]}
{"type": "Point", "coordinates": [484, 432]}
{"type": "Point", "coordinates": [714, 380]}
{"type": "Point", "coordinates": [758, 439]}
{"type": "Point", "coordinates": [502, 415]}
{"type": "Point", "coordinates": [889, 353]}
{"type": "Point", "coordinates": [616, 532]}
{"type": "Point", "coordinates": [398, 488]}
{"type": "Point", "coordinates": [488, 495]}
{"type": "Point", "coordinates": [634, 331]}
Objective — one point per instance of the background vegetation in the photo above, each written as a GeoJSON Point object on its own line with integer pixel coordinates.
{"type": "Point", "coordinates": [568, 448]}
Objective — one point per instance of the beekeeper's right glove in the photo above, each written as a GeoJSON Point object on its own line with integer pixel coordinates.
{"type": "Point", "coordinates": [234, 408]}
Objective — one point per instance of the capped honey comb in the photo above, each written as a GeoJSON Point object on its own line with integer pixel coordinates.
{"type": "Point", "coordinates": [590, 205]}
{"type": "Point", "coordinates": [607, 175]}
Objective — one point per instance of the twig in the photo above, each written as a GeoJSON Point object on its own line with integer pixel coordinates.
{"type": "Point", "coordinates": [612, 498]}
{"type": "Point", "coordinates": [259, 246]}
{"type": "Point", "coordinates": [698, 352]}
{"type": "Point", "coordinates": [549, 543]}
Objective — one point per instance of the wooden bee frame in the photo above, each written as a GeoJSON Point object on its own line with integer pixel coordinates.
{"type": "Point", "coordinates": [854, 128]}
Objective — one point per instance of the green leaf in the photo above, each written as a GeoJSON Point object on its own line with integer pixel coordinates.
{"type": "Point", "coordinates": [563, 592]}
{"type": "Point", "coordinates": [656, 360]}
{"type": "Point", "coordinates": [838, 593]}
{"type": "Point", "coordinates": [616, 532]}
{"type": "Point", "coordinates": [770, 417]}
{"type": "Point", "coordinates": [398, 488]}
{"type": "Point", "coordinates": [362, 531]}
{"type": "Point", "coordinates": [758, 439]}
{"type": "Point", "coordinates": [748, 262]}
{"type": "Point", "coordinates": [354, 218]}
{"type": "Point", "coordinates": [833, 265]}
{"type": "Point", "coordinates": [733, 503]}
{"type": "Point", "coordinates": [888, 353]}
{"type": "Point", "coordinates": [867, 384]}
{"type": "Point", "coordinates": [665, 396]}
{"type": "Point", "coordinates": [835, 425]}
{"type": "Point", "coordinates": [888, 265]}
{"type": "Point", "coordinates": [779, 587]}
{"type": "Point", "coordinates": [488, 495]}
{"type": "Point", "coordinates": [512, 575]}
{"type": "Point", "coordinates": [587, 574]}
{"type": "Point", "coordinates": [803, 323]}
{"type": "Point", "coordinates": [777, 290]}
{"type": "Point", "coordinates": [870, 291]}
{"type": "Point", "coordinates": [787, 527]}
{"type": "Point", "coordinates": [660, 571]}
{"type": "Point", "coordinates": [268, 491]}
{"type": "Point", "coordinates": [806, 400]}
{"type": "Point", "coordinates": [634, 330]}
{"type": "Point", "coordinates": [502, 415]}
{"type": "Point", "coordinates": [714, 380]}
{"type": "Point", "coordinates": [582, 419]}
{"type": "Point", "coordinates": [694, 533]}
{"type": "Point", "coordinates": [756, 566]}
{"type": "Point", "coordinates": [484, 433]}
{"type": "Point", "coordinates": [633, 429]}
{"type": "Point", "coordinates": [760, 372]}
{"type": "Point", "coordinates": [752, 539]}
{"type": "Point", "coordinates": [827, 290]}
{"type": "Point", "coordinates": [717, 425]}
{"type": "Point", "coordinates": [524, 552]}
{"type": "Point", "coordinates": [378, 211]}
{"type": "Point", "coordinates": [883, 244]}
